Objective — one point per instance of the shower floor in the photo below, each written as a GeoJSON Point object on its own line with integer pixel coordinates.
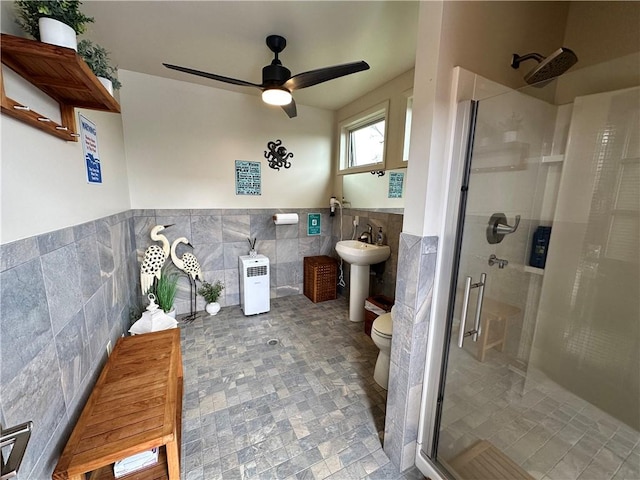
{"type": "Point", "coordinates": [548, 431]}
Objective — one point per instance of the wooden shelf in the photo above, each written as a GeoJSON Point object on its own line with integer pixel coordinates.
{"type": "Point", "coordinates": [62, 75]}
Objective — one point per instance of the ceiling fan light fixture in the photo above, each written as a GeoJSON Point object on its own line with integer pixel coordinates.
{"type": "Point", "coordinates": [276, 96]}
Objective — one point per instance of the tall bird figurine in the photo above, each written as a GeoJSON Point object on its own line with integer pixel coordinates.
{"type": "Point", "coordinates": [154, 259]}
{"type": "Point", "coordinates": [189, 265]}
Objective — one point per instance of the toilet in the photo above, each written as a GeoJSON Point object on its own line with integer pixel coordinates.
{"type": "Point", "coordinates": [381, 336]}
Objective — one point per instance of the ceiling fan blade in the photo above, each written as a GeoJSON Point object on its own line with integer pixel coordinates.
{"type": "Point", "coordinates": [314, 77]}
{"type": "Point", "coordinates": [212, 76]}
{"type": "Point", "coordinates": [290, 109]}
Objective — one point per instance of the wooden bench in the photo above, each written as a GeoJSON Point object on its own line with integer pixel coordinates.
{"type": "Point", "coordinates": [136, 405]}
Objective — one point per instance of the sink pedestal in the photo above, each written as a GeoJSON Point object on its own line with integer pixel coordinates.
{"type": "Point", "coordinates": [360, 255]}
{"type": "Point", "coordinates": [358, 291]}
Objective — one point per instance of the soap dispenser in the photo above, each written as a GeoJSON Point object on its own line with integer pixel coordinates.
{"type": "Point", "coordinates": [379, 237]}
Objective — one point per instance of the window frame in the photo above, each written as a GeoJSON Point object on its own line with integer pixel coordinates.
{"type": "Point", "coordinates": [367, 117]}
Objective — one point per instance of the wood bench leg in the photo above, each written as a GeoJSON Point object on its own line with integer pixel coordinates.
{"type": "Point", "coordinates": [173, 459]}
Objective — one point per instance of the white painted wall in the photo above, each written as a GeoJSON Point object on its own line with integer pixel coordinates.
{"type": "Point", "coordinates": [43, 178]}
{"type": "Point", "coordinates": [182, 141]}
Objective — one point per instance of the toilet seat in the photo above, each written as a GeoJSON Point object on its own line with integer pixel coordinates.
{"type": "Point", "coordinates": [383, 325]}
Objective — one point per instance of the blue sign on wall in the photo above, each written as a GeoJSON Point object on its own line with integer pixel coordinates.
{"type": "Point", "coordinates": [248, 178]}
{"type": "Point", "coordinates": [314, 224]}
{"type": "Point", "coordinates": [89, 135]}
{"type": "Point", "coordinates": [396, 179]}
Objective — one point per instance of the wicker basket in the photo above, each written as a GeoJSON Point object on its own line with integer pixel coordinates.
{"type": "Point", "coordinates": [320, 278]}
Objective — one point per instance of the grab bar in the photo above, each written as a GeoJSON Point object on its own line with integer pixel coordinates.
{"type": "Point", "coordinates": [17, 437]}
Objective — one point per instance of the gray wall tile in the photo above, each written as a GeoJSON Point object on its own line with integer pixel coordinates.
{"type": "Point", "coordinates": [36, 394]}
{"type": "Point", "coordinates": [62, 283]}
{"type": "Point", "coordinates": [15, 253]}
{"type": "Point", "coordinates": [206, 229]}
{"type": "Point", "coordinates": [48, 242]}
{"type": "Point", "coordinates": [25, 325]}
{"type": "Point", "coordinates": [74, 358]}
{"type": "Point", "coordinates": [236, 228]}
{"type": "Point", "coordinates": [89, 265]}
{"type": "Point", "coordinates": [97, 326]}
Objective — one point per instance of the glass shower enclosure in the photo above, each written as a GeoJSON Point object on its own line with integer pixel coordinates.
{"type": "Point", "coordinates": [540, 372]}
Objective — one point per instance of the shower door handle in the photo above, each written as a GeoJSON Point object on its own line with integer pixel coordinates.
{"type": "Point", "coordinates": [465, 309]}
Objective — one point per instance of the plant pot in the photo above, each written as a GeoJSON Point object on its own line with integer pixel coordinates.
{"type": "Point", "coordinates": [212, 308]}
{"type": "Point", "coordinates": [172, 312]}
{"type": "Point", "coordinates": [57, 33]}
{"type": "Point", "coordinates": [107, 84]}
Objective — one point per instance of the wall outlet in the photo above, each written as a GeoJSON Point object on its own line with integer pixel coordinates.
{"type": "Point", "coordinates": [109, 348]}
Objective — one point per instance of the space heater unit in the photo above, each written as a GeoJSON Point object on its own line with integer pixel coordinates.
{"type": "Point", "coordinates": [254, 284]}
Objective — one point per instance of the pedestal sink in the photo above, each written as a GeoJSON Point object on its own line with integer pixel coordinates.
{"type": "Point", "coordinates": [360, 255]}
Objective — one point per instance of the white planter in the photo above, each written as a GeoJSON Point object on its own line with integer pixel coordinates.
{"type": "Point", "coordinates": [172, 313]}
{"type": "Point", "coordinates": [57, 33]}
{"type": "Point", "coordinates": [107, 84]}
{"type": "Point", "coordinates": [212, 308]}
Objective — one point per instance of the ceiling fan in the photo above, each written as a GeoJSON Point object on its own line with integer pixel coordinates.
{"type": "Point", "coordinates": [277, 82]}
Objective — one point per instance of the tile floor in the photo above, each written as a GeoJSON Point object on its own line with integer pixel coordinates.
{"type": "Point", "coordinates": [547, 430]}
{"type": "Point", "coordinates": [306, 408]}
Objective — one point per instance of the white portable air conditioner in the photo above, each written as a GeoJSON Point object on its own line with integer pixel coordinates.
{"type": "Point", "coordinates": [254, 284]}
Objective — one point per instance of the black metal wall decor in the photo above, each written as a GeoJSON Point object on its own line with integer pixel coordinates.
{"type": "Point", "coordinates": [277, 155]}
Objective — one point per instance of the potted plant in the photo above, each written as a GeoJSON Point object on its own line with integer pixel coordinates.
{"type": "Point", "coordinates": [211, 292]}
{"type": "Point", "coordinates": [165, 290]}
{"type": "Point", "coordinates": [54, 21]}
{"type": "Point", "coordinates": [98, 60]}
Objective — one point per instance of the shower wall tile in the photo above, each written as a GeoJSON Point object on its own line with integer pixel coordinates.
{"type": "Point", "coordinates": [15, 253]}
{"type": "Point", "coordinates": [50, 241]}
{"type": "Point", "coordinates": [62, 283]}
{"type": "Point", "coordinates": [25, 325]}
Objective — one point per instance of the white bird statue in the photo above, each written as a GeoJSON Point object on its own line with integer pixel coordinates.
{"type": "Point", "coordinates": [154, 258]}
{"type": "Point", "coordinates": [189, 265]}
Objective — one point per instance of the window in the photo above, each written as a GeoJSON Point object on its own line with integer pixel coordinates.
{"type": "Point", "coordinates": [363, 141]}
{"type": "Point", "coordinates": [407, 129]}
{"type": "Point", "coordinates": [366, 144]}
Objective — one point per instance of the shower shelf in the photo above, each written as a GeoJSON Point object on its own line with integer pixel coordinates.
{"type": "Point", "coordinates": [500, 157]}
{"type": "Point", "coordinates": [534, 270]}
{"type": "Point", "coordinates": [548, 159]}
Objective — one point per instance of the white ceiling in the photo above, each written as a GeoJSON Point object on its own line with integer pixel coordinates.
{"type": "Point", "coordinates": [228, 38]}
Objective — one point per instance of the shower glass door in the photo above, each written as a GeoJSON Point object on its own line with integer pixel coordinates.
{"type": "Point", "coordinates": [541, 364]}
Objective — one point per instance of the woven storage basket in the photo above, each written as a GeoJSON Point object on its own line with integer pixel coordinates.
{"type": "Point", "coordinates": [320, 278]}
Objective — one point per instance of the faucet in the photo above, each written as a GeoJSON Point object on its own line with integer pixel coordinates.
{"type": "Point", "coordinates": [367, 237]}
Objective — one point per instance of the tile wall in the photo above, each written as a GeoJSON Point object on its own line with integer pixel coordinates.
{"type": "Point", "coordinates": [219, 237]}
{"type": "Point", "coordinates": [64, 295]}
{"type": "Point", "coordinates": [416, 264]}
{"type": "Point", "coordinates": [383, 277]}
{"type": "Point", "coordinates": [67, 293]}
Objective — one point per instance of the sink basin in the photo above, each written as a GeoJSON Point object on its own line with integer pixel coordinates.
{"type": "Point", "coordinates": [360, 253]}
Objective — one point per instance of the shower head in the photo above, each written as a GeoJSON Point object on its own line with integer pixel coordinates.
{"type": "Point", "coordinates": [548, 67]}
